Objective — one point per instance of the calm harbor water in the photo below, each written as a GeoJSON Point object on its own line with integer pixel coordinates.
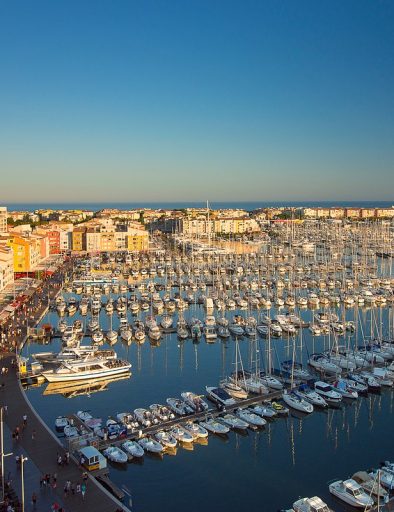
{"type": "Point", "coordinates": [267, 470]}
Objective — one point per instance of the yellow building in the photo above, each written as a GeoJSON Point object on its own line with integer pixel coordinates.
{"type": "Point", "coordinates": [137, 240]}
{"type": "Point", "coordinates": [384, 213]}
{"type": "Point", "coordinates": [79, 239]}
{"type": "Point", "coordinates": [108, 242]}
{"type": "Point", "coordinates": [26, 250]}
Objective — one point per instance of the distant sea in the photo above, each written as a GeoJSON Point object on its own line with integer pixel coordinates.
{"type": "Point", "coordinates": [244, 205]}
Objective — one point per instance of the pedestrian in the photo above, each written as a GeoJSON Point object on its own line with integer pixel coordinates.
{"type": "Point", "coordinates": [73, 489]}
{"type": "Point", "coordinates": [65, 490]}
{"type": "Point", "coordinates": [78, 488]}
{"type": "Point", "coordinates": [55, 507]}
{"type": "Point", "coordinates": [24, 420]}
{"type": "Point", "coordinates": [67, 457]}
{"type": "Point", "coordinates": [59, 460]}
{"type": "Point", "coordinates": [5, 407]}
{"type": "Point", "coordinates": [48, 479]}
{"type": "Point", "coordinates": [33, 435]}
{"type": "Point", "coordinates": [83, 490]}
{"type": "Point", "coordinates": [85, 477]}
{"type": "Point", "coordinates": [34, 500]}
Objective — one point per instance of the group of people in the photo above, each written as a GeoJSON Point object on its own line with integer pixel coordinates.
{"type": "Point", "coordinates": [18, 430]}
{"type": "Point", "coordinates": [62, 461]}
{"type": "Point", "coordinates": [48, 481]}
{"type": "Point", "coordinates": [72, 489]}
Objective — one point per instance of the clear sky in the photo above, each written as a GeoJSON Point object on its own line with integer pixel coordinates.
{"type": "Point", "coordinates": [107, 100]}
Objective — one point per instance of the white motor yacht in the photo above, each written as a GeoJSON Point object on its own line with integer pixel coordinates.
{"type": "Point", "coordinates": [358, 387]}
{"type": "Point", "coordinates": [215, 426]}
{"type": "Point", "coordinates": [323, 364]}
{"type": "Point", "coordinates": [194, 401]}
{"type": "Point", "coordinates": [271, 382]}
{"type": "Point", "coordinates": [351, 492]}
{"type": "Point", "coordinates": [166, 439]}
{"type": "Point", "coordinates": [179, 406]}
{"type": "Point", "coordinates": [314, 504]}
{"type": "Point", "coordinates": [264, 410]}
{"type": "Point", "coordinates": [234, 422]}
{"type": "Point", "coordinates": [166, 321]}
{"type": "Point", "coordinates": [251, 418]}
{"type": "Point", "coordinates": [234, 389]}
{"type": "Point", "coordinates": [210, 332]}
{"type": "Point", "coordinates": [98, 337]}
{"type": "Point", "coordinates": [295, 402]}
{"type": "Point", "coordinates": [69, 336]}
{"type": "Point", "coordinates": [84, 415]}
{"type": "Point", "coordinates": [162, 412]}
{"type": "Point", "coordinates": [145, 417]}
{"type": "Point", "coordinates": [196, 430]}
{"type": "Point", "coordinates": [343, 389]}
{"type": "Point", "coordinates": [126, 334]}
{"type": "Point", "coordinates": [325, 390]}
{"type": "Point", "coordinates": [88, 368]}
{"type": "Point", "coordinates": [308, 394]}
{"type": "Point", "coordinates": [112, 337]}
{"type": "Point", "coordinates": [150, 445]}
{"type": "Point", "coordinates": [154, 333]}
{"type": "Point", "coordinates": [115, 454]}
{"type": "Point", "coordinates": [70, 431]}
{"type": "Point", "coordinates": [220, 396]}
{"type": "Point", "coordinates": [61, 422]}
{"type": "Point", "coordinates": [181, 435]}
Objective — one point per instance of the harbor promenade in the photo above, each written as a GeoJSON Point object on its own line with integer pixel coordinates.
{"type": "Point", "coordinates": [36, 441]}
{"type": "Point", "coordinates": [42, 447]}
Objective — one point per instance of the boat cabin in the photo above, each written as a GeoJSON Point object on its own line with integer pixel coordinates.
{"type": "Point", "coordinates": [353, 489]}
{"type": "Point", "coordinates": [92, 458]}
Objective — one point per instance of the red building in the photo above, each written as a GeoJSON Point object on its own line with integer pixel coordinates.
{"type": "Point", "coordinates": [54, 241]}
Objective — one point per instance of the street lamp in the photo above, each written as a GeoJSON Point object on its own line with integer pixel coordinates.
{"type": "Point", "coordinates": [23, 460]}
{"type": "Point", "coordinates": [2, 450]}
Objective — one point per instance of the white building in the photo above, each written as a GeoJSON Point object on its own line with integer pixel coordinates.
{"type": "Point", "coordinates": [3, 220]}
{"type": "Point", "coordinates": [6, 266]}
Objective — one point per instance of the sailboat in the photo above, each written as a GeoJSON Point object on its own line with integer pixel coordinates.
{"type": "Point", "coordinates": [232, 385]}
{"type": "Point", "coordinates": [292, 398]}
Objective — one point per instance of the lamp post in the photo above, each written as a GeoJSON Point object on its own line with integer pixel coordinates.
{"type": "Point", "coordinates": [23, 460]}
{"type": "Point", "coordinates": [2, 450]}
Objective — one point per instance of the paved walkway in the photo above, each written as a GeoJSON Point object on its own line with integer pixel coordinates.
{"type": "Point", "coordinates": [32, 476]}
{"type": "Point", "coordinates": [43, 449]}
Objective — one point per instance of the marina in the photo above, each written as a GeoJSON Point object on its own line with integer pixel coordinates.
{"type": "Point", "coordinates": [241, 330]}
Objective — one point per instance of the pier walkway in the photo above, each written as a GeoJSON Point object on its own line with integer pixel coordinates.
{"type": "Point", "coordinates": [198, 416]}
{"type": "Point", "coordinates": [43, 447]}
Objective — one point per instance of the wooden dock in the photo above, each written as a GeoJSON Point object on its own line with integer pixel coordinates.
{"type": "Point", "coordinates": [180, 420]}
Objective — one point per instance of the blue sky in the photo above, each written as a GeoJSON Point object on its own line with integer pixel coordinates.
{"type": "Point", "coordinates": [193, 100]}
